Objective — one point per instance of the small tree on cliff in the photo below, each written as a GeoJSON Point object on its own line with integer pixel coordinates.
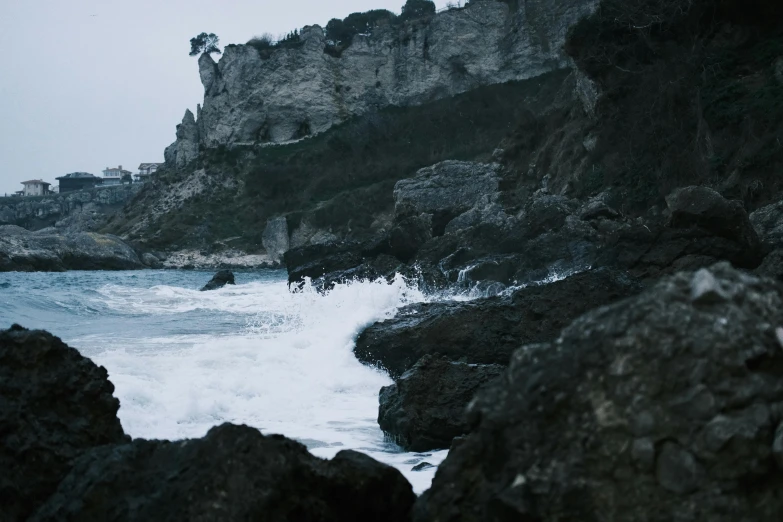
{"type": "Point", "coordinates": [204, 43]}
{"type": "Point", "coordinates": [417, 9]}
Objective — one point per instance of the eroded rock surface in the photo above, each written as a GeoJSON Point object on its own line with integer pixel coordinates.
{"type": "Point", "coordinates": [54, 405]}
{"type": "Point", "coordinates": [665, 406]}
{"type": "Point", "coordinates": [219, 280]}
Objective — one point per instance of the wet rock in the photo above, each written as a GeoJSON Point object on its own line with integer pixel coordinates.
{"type": "Point", "coordinates": [425, 408]}
{"type": "Point", "coordinates": [768, 223]}
{"type": "Point", "coordinates": [487, 331]}
{"type": "Point", "coordinates": [408, 235]}
{"type": "Point", "coordinates": [422, 466]}
{"type": "Point", "coordinates": [54, 405]}
{"type": "Point", "coordinates": [772, 266]}
{"type": "Point", "coordinates": [53, 251]}
{"type": "Point", "coordinates": [314, 261]}
{"type": "Point", "coordinates": [151, 261]}
{"type": "Point", "coordinates": [705, 208]}
{"type": "Point", "coordinates": [219, 280]}
{"type": "Point", "coordinates": [659, 407]}
{"type": "Point", "coordinates": [233, 473]}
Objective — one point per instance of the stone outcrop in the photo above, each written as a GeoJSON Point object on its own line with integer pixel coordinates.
{"type": "Point", "coordinates": [77, 211]}
{"type": "Point", "coordinates": [665, 406]}
{"type": "Point", "coordinates": [219, 280]}
{"type": "Point", "coordinates": [768, 223]}
{"type": "Point", "coordinates": [275, 239]}
{"type": "Point", "coordinates": [186, 148]}
{"type": "Point", "coordinates": [425, 408]}
{"type": "Point", "coordinates": [54, 405]}
{"type": "Point", "coordinates": [233, 473]}
{"type": "Point", "coordinates": [49, 250]}
{"type": "Point", "coordinates": [293, 92]}
{"type": "Point", "coordinates": [487, 331]}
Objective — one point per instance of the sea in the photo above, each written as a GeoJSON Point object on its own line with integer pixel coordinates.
{"type": "Point", "coordinates": [254, 353]}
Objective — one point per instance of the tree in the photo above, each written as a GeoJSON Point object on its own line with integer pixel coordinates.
{"type": "Point", "coordinates": [204, 43]}
{"type": "Point", "coordinates": [417, 9]}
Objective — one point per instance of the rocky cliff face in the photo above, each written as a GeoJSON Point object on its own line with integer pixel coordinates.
{"type": "Point", "coordinates": [296, 92]}
{"type": "Point", "coordinates": [77, 211]}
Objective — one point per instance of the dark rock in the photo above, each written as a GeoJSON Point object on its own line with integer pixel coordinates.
{"type": "Point", "coordinates": [234, 473]}
{"type": "Point", "coordinates": [408, 235]}
{"type": "Point", "coordinates": [707, 209]}
{"type": "Point", "coordinates": [314, 261]}
{"type": "Point", "coordinates": [772, 266]}
{"type": "Point", "coordinates": [50, 250]}
{"type": "Point", "coordinates": [768, 223]}
{"type": "Point", "coordinates": [54, 405]}
{"type": "Point", "coordinates": [422, 466]}
{"type": "Point", "coordinates": [661, 407]}
{"type": "Point", "coordinates": [487, 331]}
{"type": "Point", "coordinates": [151, 261]}
{"type": "Point", "coordinates": [425, 408]}
{"type": "Point", "coordinates": [219, 280]}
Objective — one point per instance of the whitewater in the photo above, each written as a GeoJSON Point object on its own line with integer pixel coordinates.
{"type": "Point", "coordinates": [183, 361]}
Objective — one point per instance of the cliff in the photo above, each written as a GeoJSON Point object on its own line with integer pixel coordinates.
{"type": "Point", "coordinates": [295, 92]}
{"type": "Point", "coordinates": [77, 211]}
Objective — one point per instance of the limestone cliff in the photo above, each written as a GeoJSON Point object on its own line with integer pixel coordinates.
{"type": "Point", "coordinates": [295, 92]}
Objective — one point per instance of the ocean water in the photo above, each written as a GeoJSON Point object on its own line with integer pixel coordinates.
{"type": "Point", "coordinates": [183, 361]}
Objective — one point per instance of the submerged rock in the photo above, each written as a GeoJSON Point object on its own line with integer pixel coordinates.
{"type": "Point", "coordinates": [219, 280]}
{"type": "Point", "coordinates": [54, 405]}
{"type": "Point", "coordinates": [52, 251]}
{"type": "Point", "coordinates": [487, 331]}
{"type": "Point", "coordinates": [233, 473]}
{"type": "Point", "coordinates": [661, 407]}
{"type": "Point", "coordinates": [425, 408]}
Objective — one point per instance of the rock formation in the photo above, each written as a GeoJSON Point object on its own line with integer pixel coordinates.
{"type": "Point", "coordinates": [219, 280]}
{"type": "Point", "coordinates": [54, 405]}
{"type": "Point", "coordinates": [49, 250]}
{"type": "Point", "coordinates": [664, 406]}
{"type": "Point", "coordinates": [425, 408]}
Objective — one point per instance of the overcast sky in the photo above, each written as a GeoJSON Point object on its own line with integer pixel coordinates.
{"type": "Point", "coordinates": [87, 84]}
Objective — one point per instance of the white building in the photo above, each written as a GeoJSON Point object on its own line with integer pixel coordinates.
{"type": "Point", "coordinates": [35, 187]}
{"type": "Point", "coordinates": [113, 176]}
{"type": "Point", "coordinates": [145, 171]}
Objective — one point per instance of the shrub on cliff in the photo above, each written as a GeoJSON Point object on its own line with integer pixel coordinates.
{"type": "Point", "coordinates": [417, 9]}
{"type": "Point", "coordinates": [340, 33]}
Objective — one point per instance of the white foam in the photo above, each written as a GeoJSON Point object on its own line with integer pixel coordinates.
{"type": "Point", "coordinates": [291, 370]}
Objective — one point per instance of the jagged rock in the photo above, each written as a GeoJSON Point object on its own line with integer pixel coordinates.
{"type": "Point", "coordinates": [234, 473]}
{"type": "Point", "coordinates": [661, 407]}
{"type": "Point", "coordinates": [768, 223]}
{"type": "Point", "coordinates": [425, 408]}
{"type": "Point", "coordinates": [186, 148]}
{"type": "Point", "coordinates": [705, 208]}
{"type": "Point", "coordinates": [275, 238]}
{"type": "Point", "coordinates": [446, 189]}
{"type": "Point", "coordinates": [314, 261]}
{"type": "Point", "coordinates": [52, 251]}
{"type": "Point", "coordinates": [487, 331]}
{"type": "Point", "coordinates": [408, 235]}
{"type": "Point", "coordinates": [276, 95]}
{"type": "Point", "coordinates": [772, 266]}
{"type": "Point", "coordinates": [54, 405]}
{"type": "Point", "coordinates": [219, 280]}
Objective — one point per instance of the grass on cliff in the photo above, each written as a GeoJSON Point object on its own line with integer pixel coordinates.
{"type": "Point", "coordinates": [345, 177]}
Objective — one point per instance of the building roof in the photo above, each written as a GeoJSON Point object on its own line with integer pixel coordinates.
{"type": "Point", "coordinates": [74, 175]}
{"type": "Point", "coordinates": [35, 181]}
{"type": "Point", "coordinates": [148, 165]}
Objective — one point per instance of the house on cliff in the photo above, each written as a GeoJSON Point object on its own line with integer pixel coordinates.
{"type": "Point", "coordinates": [145, 171]}
{"type": "Point", "coordinates": [35, 187]}
{"type": "Point", "coordinates": [115, 176]}
{"type": "Point", "coordinates": [78, 181]}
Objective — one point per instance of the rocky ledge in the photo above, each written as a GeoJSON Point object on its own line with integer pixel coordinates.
{"type": "Point", "coordinates": [49, 250]}
{"type": "Point", "coordinates": [65, 457]}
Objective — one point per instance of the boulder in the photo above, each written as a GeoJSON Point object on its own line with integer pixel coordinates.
{"type": "Point", "coordinates": [664, 406]}
{"type": "Point", "coordinates": [50, 250]}
{"type": "Point", "coordinates": [219, 280]}
{"type": "Point", "coordinates": [768, 223]}
{"type": "Point", "coordinates": [487, 331]}
{"type": "Point", "coordinates": [54, 405]}
{"type": "Point", "coordinates": [772, 266]}
{"type": "Point", "coordinates": [707, 209]}
{"type": "Point", "coordinates": [151, 260]}
{"type": "Point", "coordinates": [314, 261]}
{"type": "Point", "coordinates": [233, 473]}
{"type": "Point", "coordinates": [425, 408]}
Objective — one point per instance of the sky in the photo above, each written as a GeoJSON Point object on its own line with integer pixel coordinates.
{"type": "Point", "coordinates": [88, 84]}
